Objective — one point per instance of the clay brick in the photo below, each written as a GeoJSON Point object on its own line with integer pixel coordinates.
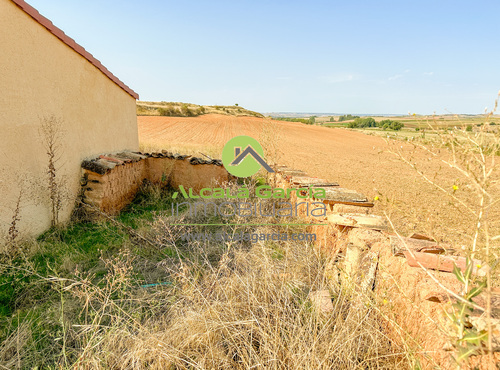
{"type": "Point", "coordinates": [442, 263]}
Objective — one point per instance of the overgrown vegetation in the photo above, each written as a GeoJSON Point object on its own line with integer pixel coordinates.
{"type": "Point", "coordinates": [85, 297]}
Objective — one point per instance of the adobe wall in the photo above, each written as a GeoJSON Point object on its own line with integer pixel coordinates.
{"type": "Point", "coordinates": [40, 77]}
{"type": "Point", "coordinates": [111, 181]}
{"type": "Point", "coordinates": [373, 263]}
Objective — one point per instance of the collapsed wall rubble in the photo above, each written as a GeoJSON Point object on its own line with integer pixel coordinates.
{"type": "Point", "coordinates": [409, 277]}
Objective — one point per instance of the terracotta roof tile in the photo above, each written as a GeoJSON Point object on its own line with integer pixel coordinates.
{"type": "Point", "coordinates": [33, 13]}
{"type": "Point", "coordinates": [104, 163]}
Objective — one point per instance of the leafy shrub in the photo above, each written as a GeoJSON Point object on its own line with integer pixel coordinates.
{"type": "Point", "coordinates": [168, 111]}
{"type": "Point", "coordinates": [388, 124]}
{"type": "Point", "coordinates": [362, 122]}
{"type": "Point", "coordinates": [186, 111]}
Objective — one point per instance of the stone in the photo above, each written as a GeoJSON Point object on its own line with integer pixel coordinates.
{"type": "Point", "coordinates": [321, 301]}
{"type": "Point", "coordinates": [365, 238]}
{"type": "Point", "coordinates": [352, 260]}
{"type": "Point", "coordinates": [99, 166]}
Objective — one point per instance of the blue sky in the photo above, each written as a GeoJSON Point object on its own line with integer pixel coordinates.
{"type": "Point", "coordinates": [295, 56]}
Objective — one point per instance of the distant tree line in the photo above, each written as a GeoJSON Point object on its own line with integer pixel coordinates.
{"type": "Point", "coordinates": [385, 124]}
{"type": "Point", "coordinates": [308, 121]}
{"type": "Point", "coordinates": [347, 117]}
{"type": "Point", "coordinates": [362, 122]}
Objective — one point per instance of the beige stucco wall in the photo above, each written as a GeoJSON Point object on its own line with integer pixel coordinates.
{"type": "Point", "coordinates": [41, 76]}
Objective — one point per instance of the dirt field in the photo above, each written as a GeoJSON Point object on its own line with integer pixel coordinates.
{"type": "Point", "coordinates": [355, 160]}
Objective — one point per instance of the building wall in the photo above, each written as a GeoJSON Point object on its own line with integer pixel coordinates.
{"type": "Point", "coordinates": [40, 77]}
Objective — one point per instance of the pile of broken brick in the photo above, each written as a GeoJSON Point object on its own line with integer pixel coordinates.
{"type": "Point", "coordinates": [419, 250]}
{"type": "Point", "coordinates": [350, 210]}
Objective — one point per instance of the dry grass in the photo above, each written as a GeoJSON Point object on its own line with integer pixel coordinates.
{"type": "Point", "coordinates": [248, 310]}
{"type": "Point", "coordinates": [228, 305]}
{"type": "Point", "coordinates": [231, 305]}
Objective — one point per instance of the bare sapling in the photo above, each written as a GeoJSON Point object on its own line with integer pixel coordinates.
{"type": "Point", "coordinates": [52, 136]}
{"type": "Point", "coordinates": [473, 155]}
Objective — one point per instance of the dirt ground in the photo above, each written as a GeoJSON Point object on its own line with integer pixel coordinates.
{"type": "Point", "coordinates": [354, 160]}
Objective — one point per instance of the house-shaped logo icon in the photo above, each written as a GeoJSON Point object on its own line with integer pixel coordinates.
{"type": "Point", "coordinates": [246, 162]}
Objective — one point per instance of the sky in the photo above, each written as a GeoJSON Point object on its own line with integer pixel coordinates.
{"type": "Point", "coordinates": [366, 57]}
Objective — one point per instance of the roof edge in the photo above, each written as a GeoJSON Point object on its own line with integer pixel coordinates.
{"type": "Point", "coordinates": [57, 32]}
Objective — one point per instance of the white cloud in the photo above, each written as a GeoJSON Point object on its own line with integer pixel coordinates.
{"type": "Point", "coordinates": [395, 77]}
{"type": "Point", "coordinates": [428, 73]}
{"type": "Point", "coordinates": [399, 75]}
{"type": "Point", "coordinates": [341, 77]}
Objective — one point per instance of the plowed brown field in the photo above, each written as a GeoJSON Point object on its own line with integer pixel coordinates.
{"type": "Point", "coordinates": [356, 161]}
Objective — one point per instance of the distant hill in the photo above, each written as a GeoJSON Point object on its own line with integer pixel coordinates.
{"type": "Point", "coordinates": [177, 109]}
